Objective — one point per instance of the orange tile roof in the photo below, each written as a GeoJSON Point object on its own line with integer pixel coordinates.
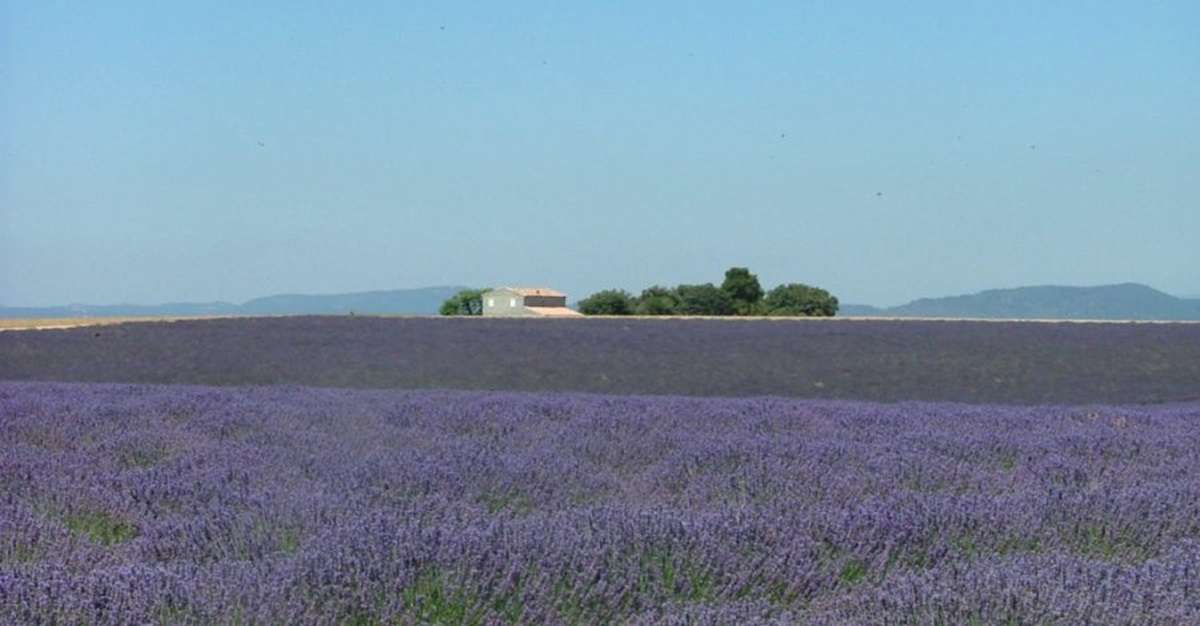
{"type": "Point", "coordinates": [536, 291]}
{"type": "Point", "coordinates": [554, 311]}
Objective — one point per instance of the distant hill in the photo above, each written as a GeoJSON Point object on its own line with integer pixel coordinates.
{"type": "Point", "coordinates": [423, 301]}
{"type": "Point", "coordinates": [861, 310]}
{"type": "Point", "coordinates": [1126, 301]}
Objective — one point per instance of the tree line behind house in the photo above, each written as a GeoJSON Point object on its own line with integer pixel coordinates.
{"type": "Point", "coordinates": [739, 294]}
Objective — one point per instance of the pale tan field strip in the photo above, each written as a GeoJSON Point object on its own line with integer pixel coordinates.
{"type": "Point", "coordinates": [59, 323]}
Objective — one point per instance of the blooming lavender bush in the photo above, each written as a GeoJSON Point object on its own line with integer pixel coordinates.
{"type": "Point", "coordinates": [978, 362]}
{"type": "Point", "coordinates": [195, 505]}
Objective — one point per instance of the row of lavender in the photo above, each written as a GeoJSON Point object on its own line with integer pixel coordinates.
{"type": "Point", "coordinates": [144, 504]}
{"type": "Point", "coordinates": [977, 362]}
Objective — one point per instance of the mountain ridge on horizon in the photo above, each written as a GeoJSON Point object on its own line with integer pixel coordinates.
{"type": "Point", "coordinates": [1132, 301]}
{"type": "Point", "coordinates": [1120, 301]}
{"type": "Point", "coordinates": [416, 301]}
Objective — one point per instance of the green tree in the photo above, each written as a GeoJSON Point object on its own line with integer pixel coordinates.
{"type": "Point", "coordinates": [657, 300]}
{"type": "Point", "coordinates": [743, 289]}
{"type": "Point", "coordinates": [706, 299]}
{"type": "Point", "coordinates": [607, 302]}
{"type": "Point", "coordinates": [800, 300]}
{"type": "Point", "coordinates": [465, 302]}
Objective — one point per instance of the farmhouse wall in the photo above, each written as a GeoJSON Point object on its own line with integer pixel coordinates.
{"type": "Point", "coordinates": [504, 303]}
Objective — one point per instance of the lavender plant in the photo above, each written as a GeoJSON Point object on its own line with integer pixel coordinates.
{"type": "Point", "coordinates": [195, 505]}
{"type": "Point", "coordinates": [978, 362]}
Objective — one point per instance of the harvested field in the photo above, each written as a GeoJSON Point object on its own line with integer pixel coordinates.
{"type": "Point", "coordinates": [58, 323]}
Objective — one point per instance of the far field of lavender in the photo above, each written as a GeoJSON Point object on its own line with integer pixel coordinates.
{"type": "Point", "coordinates": [399, 471]}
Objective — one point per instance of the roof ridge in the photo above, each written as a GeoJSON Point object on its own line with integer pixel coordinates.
{"type": "Point", "coordinates": [534, 291]}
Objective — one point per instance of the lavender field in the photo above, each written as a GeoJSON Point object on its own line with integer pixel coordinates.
{"type": "Point", "coordinates": [978, 362]}
{"type": "Point", "coordinates": [194, 505]}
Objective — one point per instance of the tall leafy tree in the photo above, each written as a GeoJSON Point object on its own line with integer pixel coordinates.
{"type": "Point", "coordinates": [706, 299]}
{"type": "Point", "coordinates": [658, 300]}
{"type": "Point", "coordinates": [465, 302]}
{"type": "Point", "coordinates": [743, 288]}
{"type": "Point", "coordinates": [800, 300]}
{"type": "Point", "coordinates": [607, 302]}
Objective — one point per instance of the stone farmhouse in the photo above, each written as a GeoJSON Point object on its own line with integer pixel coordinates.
{"type": "Point", "coordinates": [526, 302]}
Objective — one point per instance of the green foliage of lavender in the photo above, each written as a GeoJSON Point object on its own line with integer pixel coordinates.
{"type": "Point", "coordinates": [196, 505]}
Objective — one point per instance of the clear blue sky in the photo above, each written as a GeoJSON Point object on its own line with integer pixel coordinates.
{"type": "Point", "coordinates": [162, 151]}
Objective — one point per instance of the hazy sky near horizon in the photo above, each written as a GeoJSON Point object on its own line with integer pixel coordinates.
{"type": "Point", "coordinates": [154, 152]}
